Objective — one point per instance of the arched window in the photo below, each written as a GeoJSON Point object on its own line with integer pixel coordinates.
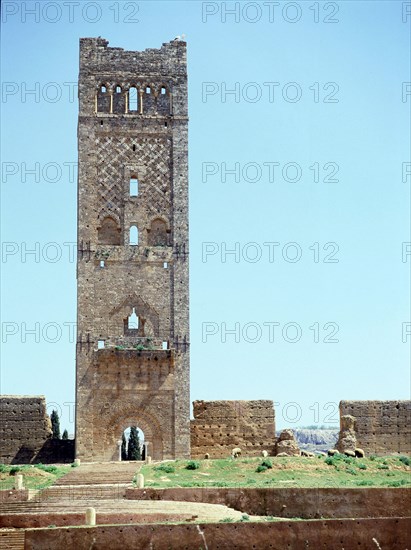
{"type": "Point", "coordinates": [132, 323]}
{"type": "Point", "coordinates": [118, 89]}
{"type": "Point", "coordinates": [133, 235]}
{"type": "Point", "coordinates": [148, 90]}
{"type": "Point", "coordinates": [133, 187]}
{"type": "Point", "coordinates": [132, 99]}
{"type": "Point", "coordinates": [103, 99]}
{"type": "Point", "coordinates": [163, 90]}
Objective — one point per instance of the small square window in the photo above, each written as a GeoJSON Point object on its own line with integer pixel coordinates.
{"type": "Point", "coordinates": [102, 264]}
{"type": "Point", "coordinates": [165, 265]}
{"type": "Point", "coordinates": [164, 345]}
{"type": "Point", "coordinates": [101, 344]}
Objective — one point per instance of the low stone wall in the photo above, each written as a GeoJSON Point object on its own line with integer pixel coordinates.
{"type": "Point", "coordinates": [12, 495]}
{"type": "Point", "coordinates": [45, 519]}
{"type": "Point", "coordinates": [389, 533]}
{"type": "Point", "coordinates": [292, 503]}
{"type": "Point", "coordinates": [220, 426]}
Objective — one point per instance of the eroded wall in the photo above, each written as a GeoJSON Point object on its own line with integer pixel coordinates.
{"type": "Point", "coordinates": [381, 427]}
{"type": "Point", "coordinates": [220, 426]}
{"type": "Point", "coordinates": [350, 534]}
{"type": "Point", "coordinates": [24, 428]}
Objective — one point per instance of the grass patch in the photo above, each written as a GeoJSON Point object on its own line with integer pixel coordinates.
{"type": "Point", "coordinates": [35, 476]}
{"type": "Point", "coordinates": [293, 472]}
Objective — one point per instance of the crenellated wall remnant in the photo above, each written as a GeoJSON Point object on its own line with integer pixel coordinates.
{"type": "Point", "coordinates": [379, 427]}
{"type": "Point", "coordinates": [220, 426]}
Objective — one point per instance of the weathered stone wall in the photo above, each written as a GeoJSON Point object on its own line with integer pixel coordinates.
{"type": "Point", "coordinates": [25, 433]}
{"type": "Point", "coordinates": [381, 427]}
{"type": "Point", "coordinates": [220, 426]}
{"type": "Point", "coordinates": [24, 428]}
{"type": "Point", "coordinates": [120, 140]}
{"type": "Point", "coordinates": [350, 534]}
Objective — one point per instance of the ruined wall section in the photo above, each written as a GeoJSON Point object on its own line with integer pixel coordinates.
{"type": "Point", "coordinates": [24, 428]}
{"type": "Point", "coordinates": [381, 427]}
{"type": "Point", "coordinates": [220, 426]}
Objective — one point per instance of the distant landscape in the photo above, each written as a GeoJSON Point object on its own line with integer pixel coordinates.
{"type": "Point", "coordinates": [315, 438]}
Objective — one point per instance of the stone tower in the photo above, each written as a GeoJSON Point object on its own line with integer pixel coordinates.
{"type": "Point", "coordinates": [132, 359]}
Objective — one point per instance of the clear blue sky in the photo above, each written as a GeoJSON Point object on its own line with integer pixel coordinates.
{"type": "Point", "coordinates": [344, 111]}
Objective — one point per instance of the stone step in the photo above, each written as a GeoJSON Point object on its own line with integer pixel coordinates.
{"type": "Point", "coordinates": [66, 513]}
{"type": "Point", "coordinates": [83, 492]}
{"type": "Point", "coordinates": [12, 539]}
{"type": "Point", "coordinates": [100, 473]}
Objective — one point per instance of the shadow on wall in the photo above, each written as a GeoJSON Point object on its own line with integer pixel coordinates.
{"type": "Point", "coordinates": [51, 452]}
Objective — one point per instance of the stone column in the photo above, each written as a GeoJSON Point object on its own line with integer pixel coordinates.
{"type": "Point", "coordinates": [90, 516]}
{"type": "Point", "coordinates": [140, 481]}
{"type": "Point", "coordinates": [18, 482]}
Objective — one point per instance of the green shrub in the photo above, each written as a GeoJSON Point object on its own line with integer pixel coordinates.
{"type": "Point", "coordinates": [405, 460]}
{"type": "Point", "coordinates": [193, 465]}
{"type": "Point", "coordinates": [226, 520]}
{"type": "Point", "coordinates": [364, 482]}
{"type": "Point", "coordinates": [166, 468]}
{"type": "Point", "coordinates": [330, 460]}
{"type": "Point", "coordinates": [49, 469]}
{"type": "Point", "coordinates": [362, 466]}
{"type": "Point", "coordinates": [383, 467]}
{"type": "Point", "coordinates": [3, 468]}
{"type": "Point", "coordinates": [352, 471]}
{"type": "Point", "coordinates": [373, 457]}
{"type": "Point", "coordinates": [397, 483]}
{"type": "Point", "coordinates": [14, 470]}
{"type": "Point", "coordinates": [261, 468]}
{"type": "Point", "coordinates": [267, 463]}
{"type": "Point", "coordinates": [74, 464]}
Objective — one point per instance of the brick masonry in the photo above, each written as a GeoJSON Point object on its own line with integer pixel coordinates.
{"type": "Point", "coordinates": [380, 427]}
{"type": "Point", "coordinates": [132, 126]}
{"type": "Point", "coordinates": [24, 428]}
{"type": "Point", "coordinates": [220, 426]}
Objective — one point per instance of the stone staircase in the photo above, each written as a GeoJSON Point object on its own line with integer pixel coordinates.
{"type": "Point", "coordinates": [93, 481]}
{"type": "Point", "coordinates": [101, 486]}
{"type": "Point", "coordinates": [12, 539]}
{"type": "Point", "coordinates": [101, 473]}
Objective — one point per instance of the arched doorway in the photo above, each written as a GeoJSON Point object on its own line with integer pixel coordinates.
{"type": "Point", "coordinates": [133, 444]}
{"type": "Point", "coordinates": [146, 422]}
